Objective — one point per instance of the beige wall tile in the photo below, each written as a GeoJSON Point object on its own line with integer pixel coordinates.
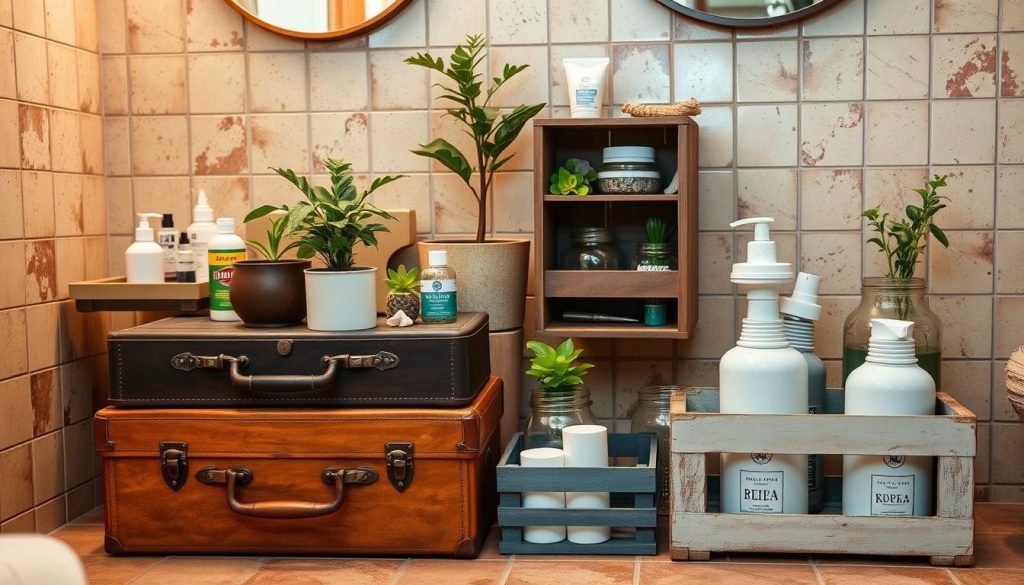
{"type": "Point", "coordinates": [1010, 262]}
{"type": "Point", "coordinates": [971, 192]}
{"type": "Point", "coordinates": [91, 129]}
{"type": "Point", "coordinates": [48, 466]}
{"type": "Point", "coordinates": [1007, 453]}
{"type": "Point", "coordinates": [847, 19]}
{"type": "Point", "coordinates": [717, 257]}
{"type": "Point", "coordinates": [964, 66]}
{"type": "Point", "coordinates": [513, 202]}
{"type": "Point", "coordinates": [10, 150]}
{"type": "Point", "coordinates": [580, 21]}
{"type": "Point", "coordinates": [40, 271]}
{"type": "Point", "coordinates": [155, 26]}
{"type": "Point", "coordinates": [79, 453]}
{"type": "Point", "coordinates": [833, 69]}
{"type": "Point", "coordinates": [970, 383]}
{"type": "Point", "coordinates": [1009, 322]}
{"type": "Point", "coordinates": [12, 263]}
{"type": "Point", "coordinates": [29, 16]}
{"type": "Point", "coordinates": [452, 130]}
{"type": "Point", "coordinates": [260, 39]}
{"type": "Point", "coordinates": [632, 21]}
{"type": "Point", "coordinates": [640, 73]}
{"type": "Point", "coordinates": [689, 29]}
{"type": "Point", "coordinates": [966, 16]}
{"type": "Point", "coordinates": [30, 57]}
{"type": "Point", "coordinates": [713, 335]}
{"type": "Point", "coordinates": [766, 71]}
{"type": "Point", "coordinates": [16, 482]}
{"type": "Point", "coordinates": [51, 515]}
{"type": "Point", "coordinates": [229, 196]}
{"type": "Point", "coordinates": [696, 373]}
{"type": "Point", "coordinates": [87, 25]}
{"type": "Point", "coordinates": [1011, 82]}
{"type": "Point", "coordinates": [163, 195]}
{"type": "Point", "coordinates": [963, 131]}
{"type": "Point", "coordinates": [338, 81]}
{"type": "Point", "coordinates": [60, 21]}
{"type": "Point", "coordinates": [70, 254]}
{"type": "Point", "coordinates": [212, 26]}
{"type": "Point", "coordinates": [704, 71]}
{"type": "Point", "coordinates": [8, 78]}
{"type": "Point", "coordinates": [96, 261]}
{"type": "Point", "coordinates": [15, 413]}
{"type": "Point", "coordinates": [159, 145]}
{"type": "Point", "coordinates": [408, 29]}
{"type": "Point", "coordinates": [340, 135]}
{"type": "Point", "coordinates": [518, 22]}
{"type": "Point", "coordinates": [111, 17]}
{"type": "Point", "coordinates": [74, 335]}
{"type": "Point", "coordinates": [11, 220]}
{"type": "Point", "coordinates": [964, 267]}
{"type": "Point", "coordinates": [391, 135]}
{"type": "Point", "coordinates": [896, 133]}
{"type": "Point", "coordinates": [46, 401]}
{"type": "Point", "coordinates": [13, 348]}
{"type": "Point", "coordinates": [528, 87]}
{"type": "Point", "coordinates": [6, 13]}
{"type": "Point", "coordinates": [219, 145]}
{"type": "Point", "coordinates": [280, 140]}
{"type": "Point", "coordinates": [117, 147]}
{"type": "Point", "coordinates": [76, 385]}
{"type": "Point", "coordinates": [716, 200]}
{"type": "Point", "coordinates": [37, 195]}
{"type": "Point", "coordinates": [448, 21]}
{"type": "Point", "coordinates": [1011, 131]}
{"type": "Point", "coordinates": [758, 125]}
{"type": "Point", "coordinates": [65, 141]}
{"type": "Point", "coordinates": [834, 257]}
{"type": "Point", "coordinates": [830, 199]}
{"type": "Point", "coordinates": [69, 218]}
{"type": "Point", "coordinates": [832, 134]}
{"type": "Point", "coordinates": [88, 70]}
{"type": "Point", "coordinates": [897, 67]}
{"type": "Point", "coordinates": [120, 215]}
{"type": "Point", "coordinates": [1012, 15]}
{"type": "Point", "coordinates": [412, 192]}
{"type": "Point", "coordinates": [894, 17]}
{"type": "Point", "coordinates": [157, 84]}
{"type": "Point", "coordinates": [455, 208]}
{"type": "Point", "coordinates": [716, 137]}
{"type": "Point", "coordinates": [43, 348]}
{"type": "Point", "coordinates": [277, 82]}
{"type": "Point", "coordinates": [828, 332]}
{"type": "Point", "coordinates": [966, 325]}
{"type": "Point", "coordinates": [216, 83]}
{"type": "Point", "coordinates": [115, 84]}
{"type": "Point", "coordinates": [631, 376]}
{"type": "Point", "coordinates": [395, 85]}
{"type": "Point", "coordinates": [768, 193]}
{"type": "Point", "coordinates": [1009, 186]}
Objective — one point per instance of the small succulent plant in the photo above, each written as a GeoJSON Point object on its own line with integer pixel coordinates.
{"type": "Point", "coordinates": [402, 296]}
{"type": "Point", "coordinates": [573, 178]}
{"type": "Point", "coordinates": [557, 369]}
{"type": "Point", "coordinates": [658, 231]}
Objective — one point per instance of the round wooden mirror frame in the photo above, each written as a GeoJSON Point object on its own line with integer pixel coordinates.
{"type": "Point", "coordinates": [342, 33]}
{"type": "Point", "coordinates": [767, 21]}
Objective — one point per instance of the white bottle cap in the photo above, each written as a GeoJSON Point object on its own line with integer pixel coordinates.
{"type": "Point", "coordinates": [891, 342]}
{"type": "Point", "coordinates": [202, 211]}
{"type": "Point", "coordinates": [225, 225]}
{"type": "Point", "coordinates": [762, 266]}
{"type": "Point", "coordinates": [892, 330]}
{"type": "Point", "coordinates": [437, 257]}
{"type": "Point", "coordinates": [804, 302]}
{"type": "Point", "coordinates": [144, 231]}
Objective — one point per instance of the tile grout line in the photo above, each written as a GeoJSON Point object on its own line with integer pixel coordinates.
{"type": "Point", "coordinates": [636, 570]}
{"type": "Point", "coordinates": [952, 576]}
{"type": "Point", "coordinates": [397, 575]}
{"type": "Point", "coordinates": [814, 564]}
{"type": "Point", "coordinates": [506, 570]}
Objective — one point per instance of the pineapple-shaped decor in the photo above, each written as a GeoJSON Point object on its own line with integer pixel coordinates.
{"type": "Point", "coordinates": [402, 296]}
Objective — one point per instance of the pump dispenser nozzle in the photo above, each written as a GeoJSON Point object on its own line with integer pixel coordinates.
{"type": "Point", "coordinates": [803, 304]}
{"type": "Point", "coordinates": [762, 265]}
{"type": "Point", "coordinates": [144, 231]}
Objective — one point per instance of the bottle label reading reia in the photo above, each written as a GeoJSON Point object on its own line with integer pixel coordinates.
{"type": "Point", "coordinates": [222, 266]}
{"type": "Point", "coordinates": [892, 495]}
{"type": "Point", "coordinates": [761, 491]}
{"type": "Point", "coordinates": [438, 299]}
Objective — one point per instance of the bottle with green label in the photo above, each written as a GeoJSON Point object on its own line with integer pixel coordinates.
{"type": "Point", "coordinates": [438, 300]}
{"type": "Point", "coordinates": [224, 250]}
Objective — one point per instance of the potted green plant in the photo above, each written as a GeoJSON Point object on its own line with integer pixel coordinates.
{"type": "Point", "coordinates": [561, 400]}
{"type": "Point", "coordinates": [402, 294]}
{"type": "Point", "coordinates": [900, 294]}
{"type": "Point", "coordinates": [329, 224]}
{"type": "Point", "coordinates": [492, 273]}
{"type": "Point", "coordinates": [270, 292]}
{"type": "Point", "coordinates": [573, 178]}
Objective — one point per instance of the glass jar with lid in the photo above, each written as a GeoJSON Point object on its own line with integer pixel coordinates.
{"type": "Point", "coordinates": [653, 257]}
{"type": "Point", "coordinates": [628, 170]}
{"type": "Point", "coordinates": [591, 249]}
{"type": "Point", "coordinates": [651, 415]}
{"type": "Point", "coordinates": [551, 411]}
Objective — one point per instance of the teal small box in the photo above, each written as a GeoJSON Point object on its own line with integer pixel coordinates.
{"type": "Point", "coordinates": [632, 484]}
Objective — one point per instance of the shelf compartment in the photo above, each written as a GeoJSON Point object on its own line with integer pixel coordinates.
{"type": "Point", "coordinates": [611, 198]}
{"type": "Point", "coordinates": [614, 330]}
{"type": "Point", "coordinates": [633, 284]}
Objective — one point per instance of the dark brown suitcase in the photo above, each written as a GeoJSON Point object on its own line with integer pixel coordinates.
{"type": "Point", "coordinates": [300, 481]}
{"type": "Point", "coordinates": [196, 362]}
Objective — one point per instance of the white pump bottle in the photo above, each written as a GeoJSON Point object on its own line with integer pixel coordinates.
{"type": "Point", "coordinates": [144, 259]}
{"type": "Point", "coordinates": [200, 232]}
{"type": "Point", "coordinates": [763, 375]}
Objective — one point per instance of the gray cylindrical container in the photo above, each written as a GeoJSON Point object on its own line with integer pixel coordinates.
{"type": "Point", "coordinates": [799, 312]}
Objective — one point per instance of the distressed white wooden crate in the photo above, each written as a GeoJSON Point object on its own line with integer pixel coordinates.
{"type": "Point", "coordinates": [698, 429]}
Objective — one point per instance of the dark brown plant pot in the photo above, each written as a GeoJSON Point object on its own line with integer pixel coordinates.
{"type": "Point", "coordinates": [269, 294]}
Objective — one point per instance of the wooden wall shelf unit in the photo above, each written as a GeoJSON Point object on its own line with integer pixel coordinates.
{"type": "Point", "coordinates": [614, 292]}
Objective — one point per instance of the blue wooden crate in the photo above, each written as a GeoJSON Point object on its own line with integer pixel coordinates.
{"type": "Point", "coordinates": [632, 493]}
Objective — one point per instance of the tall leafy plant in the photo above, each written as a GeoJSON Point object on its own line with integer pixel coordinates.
{"type": "Point", "coordinates": [903, 240]}
{"type": "Point", "coordinates": [330, 222]}
{"type": "Point", "coordinates": [470, 102]}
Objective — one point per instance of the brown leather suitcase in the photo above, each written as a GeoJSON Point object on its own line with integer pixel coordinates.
{"type": "Point", "coordinates": [196, 362]}
{"type": "Point", "coordinates": [301, 481]}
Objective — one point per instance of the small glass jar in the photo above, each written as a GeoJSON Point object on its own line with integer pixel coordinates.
{"type": "Point", "coordinates": [552, 411]}
{"type": "Point", "coordinates": [651, 415]}
{"type": "Point", "coordinates": [655, 257]}
{"type": "Point", "coordinates": [592, 249]}
{"type": "Point", "coordinates": [628, 170]}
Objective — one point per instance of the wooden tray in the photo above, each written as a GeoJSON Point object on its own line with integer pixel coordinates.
{"type": "Point", "coordinates": [115, 294]}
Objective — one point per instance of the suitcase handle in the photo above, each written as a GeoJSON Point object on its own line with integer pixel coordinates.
{"type": "Point", "coordinates": [335, 476]}
{"type": "Point", "coordinates": [288, 383]}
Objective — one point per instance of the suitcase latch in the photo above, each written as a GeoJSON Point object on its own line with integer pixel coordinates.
{"type": "Point", "coordinates": [400, 465]}
{"type": "Point", "coordinates": [174, 463]}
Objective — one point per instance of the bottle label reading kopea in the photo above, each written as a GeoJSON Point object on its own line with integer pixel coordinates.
{"type": "Point", "coordinates": [222, 267]}
{"type": "Point", "coordinates": [438, 299]}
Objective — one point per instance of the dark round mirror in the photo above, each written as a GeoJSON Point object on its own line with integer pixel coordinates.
{"type": "Point", "coordinates": [319, 19]}
{"type": "Point", "coordinates": [749, 13]}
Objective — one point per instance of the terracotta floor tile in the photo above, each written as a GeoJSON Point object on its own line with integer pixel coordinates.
{"type": "Point", "coordinates": [279, 571]}
{"type": "Point", "coordinates": [571, 573]}
{"type": "Point", "coordinates": [725, 574]}
{"type": "Point", "coordinates": [780, 558]}
{"type": "Point", "coordinates": [95, 516]}
{"type": "Point", "coordinates": [86, 540]}
{"type": "Point", "coordinates": [989, 576]}
{"type": "Point", "coordinates": [199, 571]}
{"type": "Point", "coordinates": [998, 517]}
{"type": "Point", "coordinates": [108, 570]}
{"type": "Point", "coordinates": [847, 575]}
{"type": "Point", "coordinates": [999, 550]}
{"type": "Point", "coordinates": [420, 572]}
{"type": "Point", "coordinates": [870, 560]}
{"type": "Point", "coordinates": [490, 548]}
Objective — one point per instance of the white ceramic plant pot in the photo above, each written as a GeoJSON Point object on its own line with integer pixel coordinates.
{"type": "Point", "coordinates": [341, 300]}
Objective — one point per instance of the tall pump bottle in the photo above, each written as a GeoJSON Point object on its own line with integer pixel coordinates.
{"type": "Point", "coordinates": [889, 383]}
{"type": "Point", "coordinates": [799, 312]}
{"type": "Point", "coordinates": [144, 259]}
{"type": "Point", "coordinates": [200, 232]}
{"type": "Point", "coordinates": [763, 375]}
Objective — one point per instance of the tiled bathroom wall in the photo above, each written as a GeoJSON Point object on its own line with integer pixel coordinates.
{"type": "Point", "coordinates": [53, 230]}
{"type": "Point", "coordinates": [809, 123]}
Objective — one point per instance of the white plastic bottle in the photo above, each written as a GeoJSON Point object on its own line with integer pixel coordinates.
{"type": "Point", "coordinates": [144, 259]}
{"type": "Point", "coordinates": [200, 232]}
{"type": "Point", "coordinates": [224, 250]}
{"type": "Point", "coordinates": [799, 312]}
{"type": "Point", "coordinates": [890, 382]}
{"type": "Point", "coordinates": [763, 375]}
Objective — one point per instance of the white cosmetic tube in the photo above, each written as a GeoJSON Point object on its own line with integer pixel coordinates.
{"type": "Point", "coordinates": [586, 446]}
{"type": "Point", "coordinates": [543, 457]}
{"type": "Point", "coordinates": [585, 78]}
